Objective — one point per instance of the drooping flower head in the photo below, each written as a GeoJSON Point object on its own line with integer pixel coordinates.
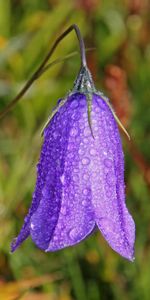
{"type": "Point", "coordinates": [80, 176]}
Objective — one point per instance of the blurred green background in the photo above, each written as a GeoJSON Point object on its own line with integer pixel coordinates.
{"type": "Point", "coordinates": [120, 64]}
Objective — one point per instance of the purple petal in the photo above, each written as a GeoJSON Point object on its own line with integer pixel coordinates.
{"type": "Point", "coordinates": [56, 218]}
{"type": "Point", "coordinates": [107, 182]}
{"type": "Point", "coordinates": [42, 170]}
{"type": "Point", "coordinates": [65, 215]}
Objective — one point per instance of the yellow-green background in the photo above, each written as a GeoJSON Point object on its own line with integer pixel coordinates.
{"type": "Point", "coordinates": [120, 32]}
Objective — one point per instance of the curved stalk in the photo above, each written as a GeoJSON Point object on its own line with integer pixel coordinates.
{"type": "Point", "coordinates": [40, 69]}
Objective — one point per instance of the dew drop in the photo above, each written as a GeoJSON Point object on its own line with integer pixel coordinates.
{"type": "Point", "coordinates": [74, 132]}
{"type": "Point", "coordinates": [62, 179]}
{"type": "Point", "coordinates": [74, 104]}
{"type": "Point", "coordinates": [70, 146]}
{"type": "Point", "coordinates": [96, 174]}
{"type": "Point", "coordinates": [85, 115]}
{"type": "Point", "coordinates": [108, 162]}
{"type": "Point", "coordinates": [96, 128]}
{"type": "Point", "coordinates": [85, 176]}
{"type": "Point", "coordinates": [62, 234]}
{"type": "Point", "coordinates": [55, 134]}
{"type": "Point", "coordinates": [73, 233]}
{"type": "Point", "coordinates": [32, 226]}
{"type": "Point", "coordinates": [84, 203]}
{"type": "Point", "coordinates": [108, 193]}
{"type": "Point", "coordinates": [71, 155]}
{"type": "Point", "coordinates": [26, 219]}
{"type": "Point", "coordinates": [63, 210]}
{"type": "Point", "coordinates": [85, 161]}
{"type": "Point", "coordinates": [104, 152]}
{"type": "Point", "coordinates": [85, 140]}
{"type": "Point", "coordinates": [87, 132]}
{"type": "Point", "coordinates": [106, 223]}
{"type": "Point", "coordinates": [76, 195]}
{"type": "Point", "coordinates": [110, 178]}
{"type": "Point", "coordinates": [93, 151]}
{"type": "Point", "coordinates": [59, 226]}
{"type": "Point", "coordinates": [78, 139]}
{"type": "Point", "coordinates": [75, 177]}
{"type": "Point", "coordinates": [45, 192]}
{"type": "Point", "coordinates": [73, 117]}
{"type": "Point", "coordinates": [81, 124]}
{"type": "Point", "coordinates": [85, 192]}
{"type": "Point", "coordinates": [81, 151]}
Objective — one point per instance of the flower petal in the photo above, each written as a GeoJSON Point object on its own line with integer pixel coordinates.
{"type": "Point", "coordinates": [42, 171]}
{"type": "Point", "coordinates": [107, 181]}
{"type": "Point", "coordinates": [64, 215]}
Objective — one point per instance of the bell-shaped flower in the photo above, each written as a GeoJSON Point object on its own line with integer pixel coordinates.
{"type": "Point", "coordinates": [80, 177]}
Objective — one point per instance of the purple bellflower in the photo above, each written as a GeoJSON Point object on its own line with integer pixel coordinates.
{"type": "Point", "coordinates": [80, 176]}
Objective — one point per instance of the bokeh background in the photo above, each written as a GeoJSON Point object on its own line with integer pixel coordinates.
{"type": "Point", "coordinates": [120, 64]}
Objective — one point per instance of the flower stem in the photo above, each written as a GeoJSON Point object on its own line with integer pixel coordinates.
{"type": "Point", "coordinates": [40, 69]}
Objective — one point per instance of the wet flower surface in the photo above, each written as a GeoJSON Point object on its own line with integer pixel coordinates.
{"type": "Point", "coordinates": [80, 181]}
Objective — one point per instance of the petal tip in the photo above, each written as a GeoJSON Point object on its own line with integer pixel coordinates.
{"type": "Point", "coordinates": [127, 253]}
{"type": "Point", "coordinates": [131, 257]}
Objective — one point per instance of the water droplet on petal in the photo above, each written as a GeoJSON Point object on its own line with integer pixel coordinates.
{"type": "Point", "coordinates": [63, 210]}
{"type": "Point", "coordinates": [59, 226]}
{"type": "Point", "coordinates": [86, 176]}
{"type": "Point", "coordinates": [84, 203]}
{"type": "Point", "coordinates": [71, 155]}
{"type": "Point", "coordinates": [111, 179]}
{"type": "Point", "coordinates": [104, 152]}
{"type": "Point", "coordinates": [81, 124]}
{"type": "Point", "coordinates": [74, 132]}
{"type": "Point", "coordinates": [96, 128]}
{"type": "Point", "coordinates": [45, 192]}
{"type": "Point", "coordinates": [97, 109]}
{"type": "Point", "coordinates": [75, 177]}
{"type": "Point", "coordinates": [108, 193]}
{"type": "Point", "coordinates": [71, 146]}
{"type": "Point", "coordinates": [32, 226]}
{"type": "Point", "coordinates": [87, 132]}
{"type": "Point", "coordinates": [85, 161]}
{"type": "Point", "coordinates": [73, 233]}
{"type": "Point", "coordinates": [93, 151]}
{"type": "Point", "coordinates": [62, 179]}
{"type": "Point", "coordinates": [107, 224]}
{"type": "Point", "coordinates": [108, 162]}
{"type": "Point", "coordinates": [81, 151]}
{"type": "Point", "coordinates": [85, 140]}
{"type": "Point", "coordinates": [74, 104]}
{"type": "Point", "coordinates": [26, 219]}
{"type": "Point", "coordinates": [85, 192]}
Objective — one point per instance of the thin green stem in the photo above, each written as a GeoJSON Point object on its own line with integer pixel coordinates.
{"type": "Point", "coordinates": [40, 69]}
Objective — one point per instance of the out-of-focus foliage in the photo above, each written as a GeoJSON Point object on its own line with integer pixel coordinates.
{"type": "Point", "coordinates": [120, 64]}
